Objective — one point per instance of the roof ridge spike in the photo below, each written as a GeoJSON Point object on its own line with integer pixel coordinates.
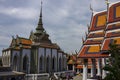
{"type": "Point", "coordinates": [83, 40]}
{"type": "Point", "coordinates": [91, 9]}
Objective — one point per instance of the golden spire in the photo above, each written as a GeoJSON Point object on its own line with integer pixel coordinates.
{"type": "Point", "coordinates": [39, 28]}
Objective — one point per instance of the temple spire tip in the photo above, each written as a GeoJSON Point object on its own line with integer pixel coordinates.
{"type": "Point", "coordinates": [41, 9]}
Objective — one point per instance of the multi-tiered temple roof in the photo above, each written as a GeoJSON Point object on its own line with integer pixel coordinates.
{"type": "Point", "coordinates": [113, 26]}
{"type": "Point", "coordinates": [104, 29]}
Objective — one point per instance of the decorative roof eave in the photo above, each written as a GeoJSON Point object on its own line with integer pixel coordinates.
{"type": "Point", "coordinates": [91, 32]}
{"type": "Point", "coordinates": [113, 23]}
{"type": "Point", "coordinates": [81, 66]}
{"type": "Point", "coordinates": [93, 20]}
{"type": "Point", "coordinates": [97, 38]}
{"type": "Point", "coordinates": [45, 45]}
{"type": "Point", "coordinates": [6, 49]}
{"type": "Point", "coordinates": [96, 13]}
{"type": "Point", "coordinates": [93, 42]}
{"type": "Point", "coordinates": [112, 33]}
{"type": "Point", "coordinates": [116, 30]}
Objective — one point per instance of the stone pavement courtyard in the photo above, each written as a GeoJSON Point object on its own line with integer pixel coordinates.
{"type": "Point", "coordinates": [77, 77]}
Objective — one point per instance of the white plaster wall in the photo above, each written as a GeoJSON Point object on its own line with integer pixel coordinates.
{"type": "Point", "coordinates": [8, 56]}
{"type": "Point", "coordinates": [15, 52]}
{"type": "Point", "coordinates": [41, 52]}
{"type": "Point", "coordinates": [26, 52]}
{"type": "Point", "coordinates": [48, 52]}
{"type": "Point", "coordinates": [59, 55]}
{"type": "Point", "coordinates": [54, 53]}
{"type": "Point", "coordinates": [3, 58]}
{"type": "Point", "coordinates": [65, 61]}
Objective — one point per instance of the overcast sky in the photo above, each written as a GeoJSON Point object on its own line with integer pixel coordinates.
{"type": "Point", "coordinates": [64, 20]}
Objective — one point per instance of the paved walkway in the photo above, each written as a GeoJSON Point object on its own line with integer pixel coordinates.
{"type": "Point", "coordinates": [78, 77]}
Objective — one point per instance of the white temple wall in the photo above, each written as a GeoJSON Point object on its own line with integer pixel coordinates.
{"type": "Point", "coordinates": [15, 53]}
{"type": "Point", "coordinates": [8, 57]}
{"type": "Point", "coordinates": [48, 52]}
{"type": "Point", "coordinates": [54, 55]}
{"type": "Point", "coordinates": [59, 62]}
{"type": "Point", "coordinates": [4, 58]}
{"type": "Point", "coordinates": [26, 52]}
{"type": "Point", "coordinates": [65, 62]}
{"type": "Point", "coordinates": [48, 55]}
{"type": "Point", "coordinates": [41, 53]}
{"type": "Point", "coordinates": [59, 55]}
{"type": "Point", "coordinates": [17, 61]}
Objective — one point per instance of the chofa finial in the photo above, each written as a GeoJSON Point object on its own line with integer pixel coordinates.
{"type": "Point", "coordinates": [91, 8]}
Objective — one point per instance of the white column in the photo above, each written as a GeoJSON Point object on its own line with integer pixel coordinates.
{"type": "Point", "coordinates": [67, 67]}
{"type": "Point", "coordinates": [73, 67]}
{"type": "Point", "coordinates": [77, 70]}
{"type": "Point", "coordinates": [85, 69]}
{"type": "Point", "coordinates": [99, 67]}
{"type": "Point", "coordinates": [93, 68]}
{"type": "Point", "coordinates": [103, 71]}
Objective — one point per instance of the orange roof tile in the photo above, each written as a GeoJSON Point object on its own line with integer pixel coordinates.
{"type": "Point", "coordinates": [106, 44]}
{"type": "Point", "coordinates": [81, 66]}
{"type": "Point", "coordinates": [97, 34]}
{"type": "Point", "coordinates": [112, 34]}
{"type": "Point", "coordinates": [108, 41]}
{"type": "Point", "coordinates": [49, 45]}
{"type": "Point", "coordinates": [26, 41]}
{"type": "Point", "coordinates": [114, 13]}
{"type": "Point", "coordinates": [117, 40]}
{"type": "Point", "coordinates": [113, 26]}
{"type": "Point", "coordinates": [71, 62]}
{"type": "Point", "coordinates": [93, 41]}
{"type": "Point", "coordinates": [17, 48]}
{"type": "Point", "coordinates": [98, 21]}
{"type": "Point", "coordinates": [28, 47]}
{"type": "Point", "coordinates": [91, 51]}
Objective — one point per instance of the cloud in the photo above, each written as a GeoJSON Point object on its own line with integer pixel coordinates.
{"type": "Point", "coordinates": [99, 5]}
{"type": "Point", "coordinates": [64, 20]}
{"type": "Point", "coordinates": [20, 13]}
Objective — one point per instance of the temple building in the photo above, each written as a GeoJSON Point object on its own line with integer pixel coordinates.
{"type": "Point", "coordinates": [71, 62]}
{"type": "Point", "coordinates": [104, 29]}
{"type": "Point", "coordinates": [36, 54]}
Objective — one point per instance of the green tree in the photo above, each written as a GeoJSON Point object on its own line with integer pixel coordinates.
{"type": "Point", "coordinates": [113, 66]}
